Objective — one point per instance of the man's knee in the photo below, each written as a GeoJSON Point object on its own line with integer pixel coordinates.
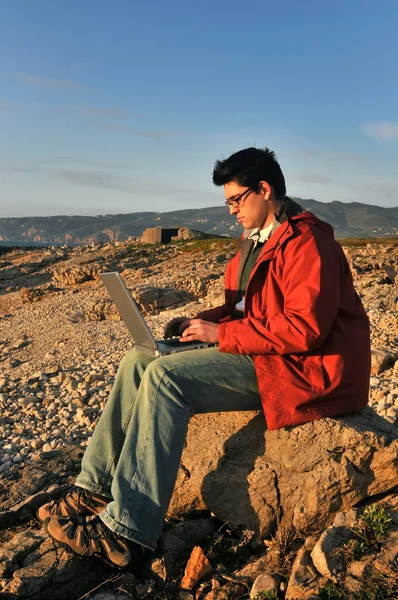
{"type": "Point", "coordinates": [156, 369]}
{"type": "Point", "coordinates": [134, 360]}
{"type": "Point", "coordinates": [165, 374]}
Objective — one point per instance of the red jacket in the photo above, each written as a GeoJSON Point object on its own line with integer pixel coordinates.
{"type": "Point", "coordinates": [304, 325]}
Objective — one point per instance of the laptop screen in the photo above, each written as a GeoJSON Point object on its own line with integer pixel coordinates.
{"type": "Point", "coordinates": [128, 310]}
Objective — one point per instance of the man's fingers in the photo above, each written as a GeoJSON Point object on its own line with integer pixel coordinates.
{"type": "Point", "coordinates": [189, 338]}
{"type": "Point", "coordinates": [189, 330]}
{"type": "Point", "coordinates": [192, 333]}
{"type": "Point", "coordinates": [183, 326]}
{"type": "Point", "coordinates": [174, 326]}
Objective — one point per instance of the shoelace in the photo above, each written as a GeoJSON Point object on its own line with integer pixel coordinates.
{"type": "Point", "coordinates": [82, 495]}
{"type": "Point", "coordinates": [100, 531]}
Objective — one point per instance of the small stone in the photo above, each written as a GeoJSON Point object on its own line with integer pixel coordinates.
{"type": "Point", "coordinates": [20, 343]}
{"type": "Point", "coordinates": [381, 360]}
{"type": "Point", "coordinates": [324, 558]}
{"type": "Point", "coordinates": [52, 371]}
{"type": "Point", "coordinates": [35, 377]}
{"type": "Point", "coordinates": [6, 467]}
{"type": "Point", "coordinates": [390, 419]}
{"type": "Point", "coordinates": [357, 569]}
{"type": "Point", "coordinates": [382, 405]}
{"type": "Point", "coordinates": [36, 444]}
{"type": "Point", "coordinates": [231, 591]}
{"type": "Point", "coordinates": [198, 567]}
{"type": "Point", "coordinates": [263, 583]}
{"type": "Point", "coordinates": [11, 447]}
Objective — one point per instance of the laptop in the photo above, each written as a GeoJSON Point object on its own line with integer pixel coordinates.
{"type": "Point", "coordinates": [135, 322]}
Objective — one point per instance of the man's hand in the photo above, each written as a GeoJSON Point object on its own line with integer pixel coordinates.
{"type": "Point", "coordinates": [205, 331]}
{"type": "Point", "coordinates": [176, 326]}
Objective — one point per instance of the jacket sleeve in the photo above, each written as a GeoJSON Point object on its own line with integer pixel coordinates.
{"type": "Point", "coordinates": [223, 312]}
{"type": "Point", "coordinates": [215, 315]}
{"type": "Point", "coordinates": [311, 271]}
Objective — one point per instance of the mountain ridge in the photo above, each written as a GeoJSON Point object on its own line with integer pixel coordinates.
{"type": "Point", "coordinates": [353, 219]}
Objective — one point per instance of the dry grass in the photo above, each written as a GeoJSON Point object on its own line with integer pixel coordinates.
{"type": "Point", "coordinates": [287, 541]}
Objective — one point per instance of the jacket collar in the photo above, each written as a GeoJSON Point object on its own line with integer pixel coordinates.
{"type": "Point", "coordinates": [286, 211]}
{"type": "Point", "coordinates": [289, 208]}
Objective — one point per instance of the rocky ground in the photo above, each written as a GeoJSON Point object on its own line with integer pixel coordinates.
{"type": "Point", "coordinates": [62, 341]}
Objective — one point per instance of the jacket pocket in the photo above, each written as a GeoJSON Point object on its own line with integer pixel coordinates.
{"type": "Point", "coordinates": [317, 373]}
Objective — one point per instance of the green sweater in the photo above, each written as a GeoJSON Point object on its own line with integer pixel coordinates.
{"type": "Point", "coordinates": [249, 266]}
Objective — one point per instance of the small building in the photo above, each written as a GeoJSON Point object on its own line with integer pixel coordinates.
{"type": "Point", "coordinates": [164, 235]}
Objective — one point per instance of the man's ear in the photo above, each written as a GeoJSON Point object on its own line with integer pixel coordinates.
{"type": "Point", "coordinates": [265, 189]}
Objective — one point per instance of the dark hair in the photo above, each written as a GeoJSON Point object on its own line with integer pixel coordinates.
{"type": "Point", "coordinates": [250, 166]}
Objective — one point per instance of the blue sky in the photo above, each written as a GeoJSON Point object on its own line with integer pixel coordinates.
{"type": "Point", "coordinates": [112, 107]}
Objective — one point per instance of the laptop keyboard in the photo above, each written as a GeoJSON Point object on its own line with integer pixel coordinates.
{"type": "Point", "coordinates": [174, 342]}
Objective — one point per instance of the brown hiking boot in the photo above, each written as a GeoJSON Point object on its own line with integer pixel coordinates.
{"type": "Point", "coordinates": [89, 537]}
{"type": "Point", "coordinates": [77, 502]}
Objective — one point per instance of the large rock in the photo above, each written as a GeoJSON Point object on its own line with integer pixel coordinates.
{"type": "Point", "coordinates": [75, 274]}
{"type": "Point", "coordinates": [49, 573]}
{"type": "Point", "coordinates": [151, 298]}
{"type": "Point", "coordinates": [244, 474]}
{"type": "Point", "coordinates": [251, 477]}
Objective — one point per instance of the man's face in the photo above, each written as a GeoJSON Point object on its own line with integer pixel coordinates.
{"type": "Point", "coordinates": [254, 208]}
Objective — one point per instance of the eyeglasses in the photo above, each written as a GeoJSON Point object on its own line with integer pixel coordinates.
{"type": "Point", "coordinates": [234, 202]}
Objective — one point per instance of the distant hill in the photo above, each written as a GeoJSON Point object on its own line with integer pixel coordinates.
{"type": "Point", "coordinates": [349, 220]}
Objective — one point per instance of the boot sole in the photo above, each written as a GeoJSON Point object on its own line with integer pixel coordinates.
{"type": "Point", "coordinates": [41, 520]}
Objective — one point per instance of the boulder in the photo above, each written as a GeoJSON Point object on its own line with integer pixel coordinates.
{"type": "Point", "coordinates": [245, 475]}
{"type": "Point", "coordinates": [251, 477]}
{"type": "Point", "coordinates": [49, 572]}
{"type": "Point", "coordinates": [154, 298]}
{"type": "Point", "coordinates": [101, 310]}
{"type": "Point", "coordinates": [75, 274]}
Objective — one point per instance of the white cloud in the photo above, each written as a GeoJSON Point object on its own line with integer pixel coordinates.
{"type": "Point", "coordinates": [50, 83]}
{"type": "Point", "coordinates": [382, 131]}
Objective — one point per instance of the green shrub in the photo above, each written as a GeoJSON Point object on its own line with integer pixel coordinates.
{"type": "Point", "coordinates": [352, 550]}
{"type": "Point", "coordinates": [374, 526]}
{"type": "Point", "coordinates": [330, 591]}
{"type": "Point", "coordinates": [358, 550]}
{"type": "Point", "coordinates": [266, 595]}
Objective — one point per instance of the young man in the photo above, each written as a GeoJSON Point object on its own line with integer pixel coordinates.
{"type": "Point", "coordinates": [293, 338]}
